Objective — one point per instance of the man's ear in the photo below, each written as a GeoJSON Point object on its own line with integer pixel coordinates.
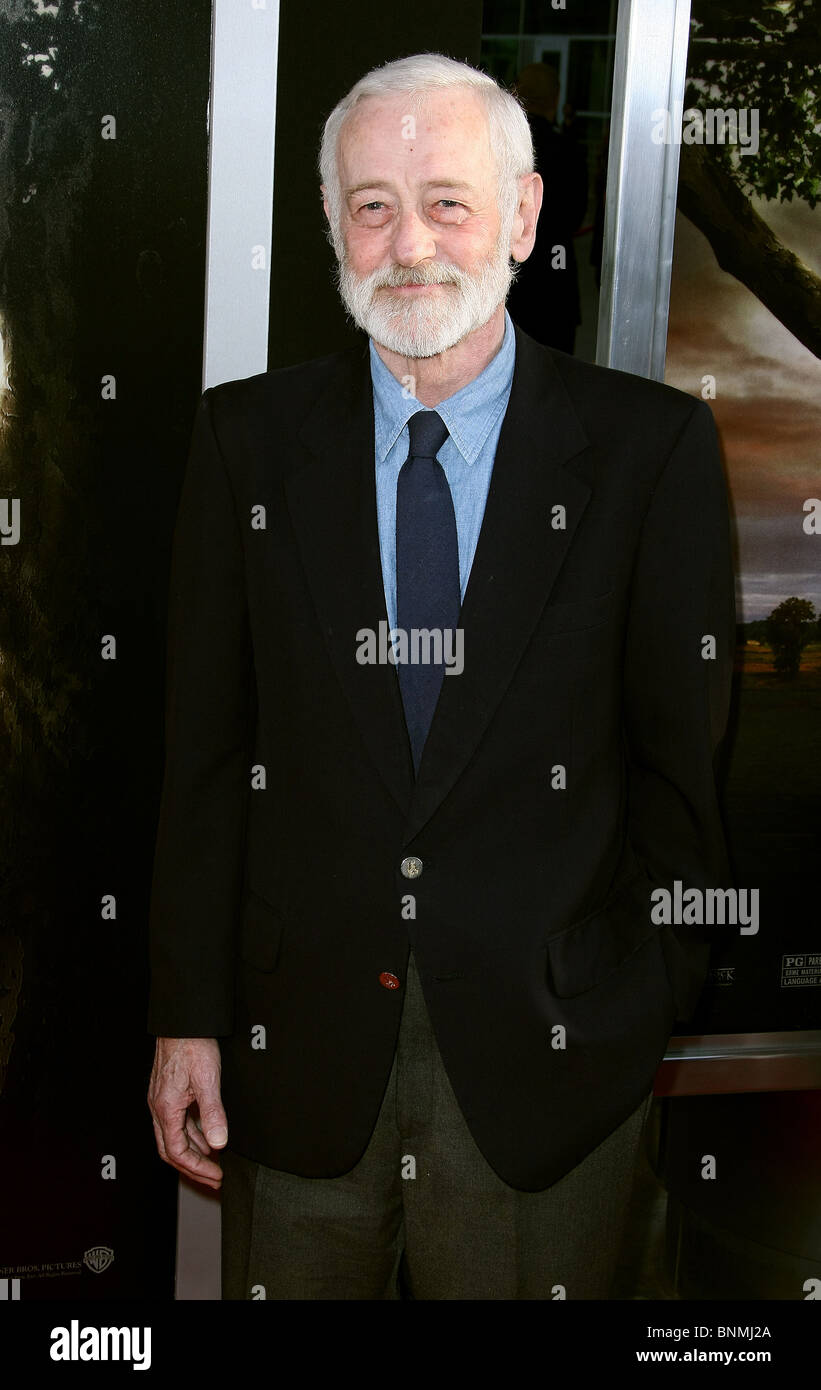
{"type": "Point", "coordinates": [523, 236]}
{"type": "Point", "coordinates": [325, 201]}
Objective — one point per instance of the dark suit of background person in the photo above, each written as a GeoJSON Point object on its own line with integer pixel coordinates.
{"type": "Point", "coordinates": [544, 299]}
{"type": "Point", "coordinates": [603, 561]}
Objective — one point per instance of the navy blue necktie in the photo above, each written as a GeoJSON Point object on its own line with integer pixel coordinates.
{"type": "Point", "coordinates": [428, 595]}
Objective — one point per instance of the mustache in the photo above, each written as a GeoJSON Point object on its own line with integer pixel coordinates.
{"type": "Point", "coordinates": [396, 276]}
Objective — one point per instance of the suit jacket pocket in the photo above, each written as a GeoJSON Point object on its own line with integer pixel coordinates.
{"type": "Point", "coordinates": [260, 936]}
{"type": "Point", "coordinates": [587, 952]}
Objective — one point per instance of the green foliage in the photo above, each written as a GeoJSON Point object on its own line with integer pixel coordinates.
{"type": "Point", "coordinates": [790, 627]}
{"type": "Point", "coordinates": [767, 56]}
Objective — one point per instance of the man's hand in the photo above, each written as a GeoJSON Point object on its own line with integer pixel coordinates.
{"type": "Point", "coordinates": [186, 1073]}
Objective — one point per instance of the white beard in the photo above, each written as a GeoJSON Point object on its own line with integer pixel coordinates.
{"type": "Point", "coordinates": [426, 324]}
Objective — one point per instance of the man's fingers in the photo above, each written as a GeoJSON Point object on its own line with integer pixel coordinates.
{"type": "Point", "coordinates": [196, 1138]}
{"type": "Point", "coordinates": [211, 1115]}
{"type": "Point", "coordinates": [182, 1155]}
{"type": "Point", "coordinates": [184, 1100]}
{"type": "Point", "coordinates": [201, 1169]}
{"type": "Point", "coordinates": [213, 1123]}
{"type": "Point", "coordinates": [159, 1139]}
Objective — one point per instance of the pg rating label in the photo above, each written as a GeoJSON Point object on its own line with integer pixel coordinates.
{"type": "Point", "coordinates": [801, 970]}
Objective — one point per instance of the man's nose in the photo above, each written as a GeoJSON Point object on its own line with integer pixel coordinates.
{"type": "Point", "coordinates": [412, 241]}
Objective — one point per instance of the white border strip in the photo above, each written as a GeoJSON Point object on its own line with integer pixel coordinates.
{"type": "Point", "coordinates": [242, 128]}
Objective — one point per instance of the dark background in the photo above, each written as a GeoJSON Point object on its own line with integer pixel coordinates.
{"type": "Point", "coordinates": [102, 264]}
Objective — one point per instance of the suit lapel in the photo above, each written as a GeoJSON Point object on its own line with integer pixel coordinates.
{"type": "Point", "coordinates": [332, 502]}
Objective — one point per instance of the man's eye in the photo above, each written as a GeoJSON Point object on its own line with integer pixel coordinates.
{"type": "Point", "coordinates": [449, 203]}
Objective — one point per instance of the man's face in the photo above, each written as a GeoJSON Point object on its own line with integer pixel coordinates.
{"type": "Point", "coordinates": [425, 257]}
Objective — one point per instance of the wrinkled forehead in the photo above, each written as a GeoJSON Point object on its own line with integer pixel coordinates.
{"type": "Point", "coordinates": [441, 133]}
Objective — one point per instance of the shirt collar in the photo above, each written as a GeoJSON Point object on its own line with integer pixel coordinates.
{"type": "Point", "coordinates": [469, 414]}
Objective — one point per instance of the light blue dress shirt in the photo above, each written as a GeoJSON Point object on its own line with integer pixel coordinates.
{"type": "Point", "coordinates": [474, 418]}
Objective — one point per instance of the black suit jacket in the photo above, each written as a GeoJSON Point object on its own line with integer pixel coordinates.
{"type": "Point", "coordinates": [602, 563]}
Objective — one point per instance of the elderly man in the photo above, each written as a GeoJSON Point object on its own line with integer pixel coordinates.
{"type": "Point", "coordinates": [449, 646]}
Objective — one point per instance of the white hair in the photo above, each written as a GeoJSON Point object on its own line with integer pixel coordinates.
{"type": "Point", "coordinates": [416, 77]}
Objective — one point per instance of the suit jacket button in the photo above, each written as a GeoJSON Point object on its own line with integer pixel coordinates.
{"type": "Point", "coordinates": [388, 981]}
{"type": "Point", "coordinates": [411, 866]}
